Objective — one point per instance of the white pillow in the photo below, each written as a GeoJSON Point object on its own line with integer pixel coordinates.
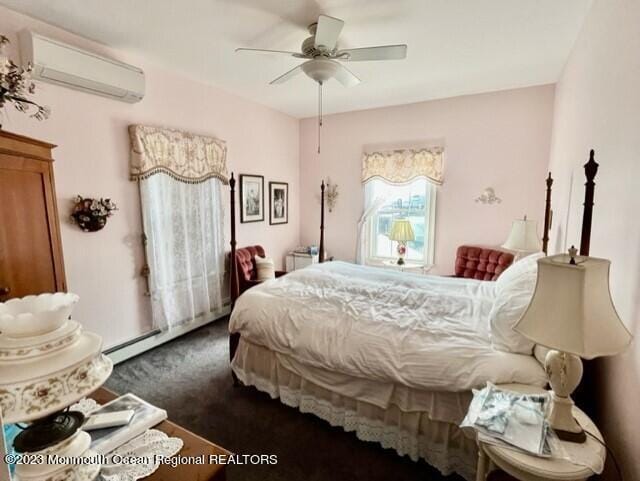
{"type": "Point", "coordinates": [514, 290]}
{"type": "Point", "coordinates": [265, 268]}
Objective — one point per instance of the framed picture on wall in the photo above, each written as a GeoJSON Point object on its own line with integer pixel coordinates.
{"type": "Point", "coordinates": [251, 198]}
{"type": "Point", "coordinates": [278, 203]}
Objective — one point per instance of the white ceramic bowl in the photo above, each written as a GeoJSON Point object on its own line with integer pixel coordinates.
{"type": "Point", "coordinates": [35, 315]}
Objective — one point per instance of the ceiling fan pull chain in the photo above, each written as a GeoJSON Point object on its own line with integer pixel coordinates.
{"type": "Point", "coordinates": [319, 113]}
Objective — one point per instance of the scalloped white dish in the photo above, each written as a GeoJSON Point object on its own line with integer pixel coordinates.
{"type": "Point", "coordinates": [34, 388]}
{"type": "Point", "coordinates": [35, 315]}
{"type": "Point", "coordinates": [22, 348]}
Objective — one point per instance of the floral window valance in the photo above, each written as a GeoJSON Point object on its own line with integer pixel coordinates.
{"type": "Point", "coordinates": [404, 165]}
{"type": "Point", "coordinates": [184, 156]}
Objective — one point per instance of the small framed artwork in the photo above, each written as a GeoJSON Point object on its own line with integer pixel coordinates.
{"type": "Point", "coordinates": [278, 203]}
{"type": "Point", "coordinates": [251, 198]}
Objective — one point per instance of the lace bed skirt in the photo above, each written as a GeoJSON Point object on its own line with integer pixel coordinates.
{"type": "Point", "coordinates": [441, 444]}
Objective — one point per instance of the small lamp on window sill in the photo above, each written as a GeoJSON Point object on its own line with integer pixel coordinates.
{"type": "Point", "coordinates": [572, 313]}
{"type": "Point", "coordinates": [402, 232]}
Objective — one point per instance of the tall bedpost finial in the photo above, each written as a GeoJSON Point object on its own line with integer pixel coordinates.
{"type": "Point", "coordinates": [548, 215]}
{"type": "Point", "coordinates": [321, 253]}
{"type": "Point", "coordinates": [590, 171]}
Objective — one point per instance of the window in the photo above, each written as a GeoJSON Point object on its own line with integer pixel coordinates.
{"type": "Point", "coordinates": [414, 201]}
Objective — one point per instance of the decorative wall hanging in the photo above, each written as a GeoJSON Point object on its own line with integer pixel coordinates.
{"type": "Point", "coordinates": [488, 196]}
{"type": "Point", "coordinates": [16, 86]}
{"type": "Point", "coordinates": [331, 193]}
{"type": "Point", "coordinates": [251, 198]}
{"type": "Point", "coordinates": [403, 165]}
{"type": "Point", "coordinates": [91, 214]}
{"type": "Point", "coordinates": [278, 203]}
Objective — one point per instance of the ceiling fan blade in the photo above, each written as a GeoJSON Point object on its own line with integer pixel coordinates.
{"type": "Point", "coordinates": [346, 77]}
{"type": "Point", "coordinates": [327, 32]}
{"type": "Point", "coordinates": [260, 50]}
{"type": "Point", "coordinates": [286, 76]}
{"type": "Point", "coordinates": [383, 52]}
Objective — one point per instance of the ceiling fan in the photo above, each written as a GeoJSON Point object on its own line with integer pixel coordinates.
{"type": "Point", "coordinates": [323, 57]}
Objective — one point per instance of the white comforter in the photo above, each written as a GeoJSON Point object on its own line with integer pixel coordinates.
{"type": "Point", "coordinates": [424, 332]}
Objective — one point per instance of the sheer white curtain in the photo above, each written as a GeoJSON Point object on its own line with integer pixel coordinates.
{"type": "Point", "coordinates": [181, 175]}
{"type": "Point", "coordinates": [183, 223]}
{"type": "Point", "coordinates": [372, 203]}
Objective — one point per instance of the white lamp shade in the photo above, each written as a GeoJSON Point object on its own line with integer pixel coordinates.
{"type": "Point", "coordinates": [571, 309]}
{"type": "Point", "coordinates": [401, 231]}
{"type": "Point", "coordinates": [523, 236]}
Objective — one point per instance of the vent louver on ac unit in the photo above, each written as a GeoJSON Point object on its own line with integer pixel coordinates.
{"type": "Point", "coordinates": [61, 64]}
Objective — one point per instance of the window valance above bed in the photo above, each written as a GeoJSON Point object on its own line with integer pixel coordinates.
{"type": "Point", "coordinates": [184, 156]}
{"type": "Point", "coordinates": [403, 165]}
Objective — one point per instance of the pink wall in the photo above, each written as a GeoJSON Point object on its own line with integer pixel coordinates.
{"type": "Point", "coordinates": [496, 139]}
{"type": "Point", "coordinates": [92, 160]}
{"type": "Point", "coordinates": [598, 106]}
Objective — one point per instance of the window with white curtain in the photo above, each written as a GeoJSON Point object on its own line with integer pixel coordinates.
{"type": "Point", "coordinates": [399, 184]}
{"type": "Point", "coordinates": [181, 177]}
{"type": "Point", "coordinates": [414, 201]}
{"type": "Point", "coordinates": [185, 247]}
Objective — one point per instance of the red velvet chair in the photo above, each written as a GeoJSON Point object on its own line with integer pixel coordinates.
{"type": "Point", "coordinates": [481, 263]}
{"type": "Point", "coordinates": [246, 273]}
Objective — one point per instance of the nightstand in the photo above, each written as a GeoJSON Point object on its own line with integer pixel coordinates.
{"type": "Point", "coordinates": [525, 467]}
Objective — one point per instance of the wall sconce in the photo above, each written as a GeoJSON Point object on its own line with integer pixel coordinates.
{"type": "Point", "coordinates": [331, 193]}
{"type": "Point", "coordinates": [489, 196]}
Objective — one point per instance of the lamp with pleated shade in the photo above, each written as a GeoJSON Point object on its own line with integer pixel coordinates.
{"type": "Point", "coordinates": [402, 232]}
{"type": "Point", "coordinates": [572, 313]}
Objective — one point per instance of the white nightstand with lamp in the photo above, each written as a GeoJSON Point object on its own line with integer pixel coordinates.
{"type": "Point", "coordinates": [571, 313]}
{"type": "Point", "coordinates": [526, 467]}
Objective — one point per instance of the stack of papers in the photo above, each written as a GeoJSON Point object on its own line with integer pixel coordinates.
{"type": "Point", "coordinates": [510, 419]}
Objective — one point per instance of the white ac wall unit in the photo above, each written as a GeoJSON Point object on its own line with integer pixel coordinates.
{"type": "Point", "coordinates": [61, 64]}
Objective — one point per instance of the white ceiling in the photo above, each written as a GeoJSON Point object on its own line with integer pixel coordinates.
{"type": "Point", "coordinates": [455, 46]}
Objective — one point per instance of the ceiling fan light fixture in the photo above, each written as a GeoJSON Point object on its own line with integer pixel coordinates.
{"type": "Point", "coordinates": [320, 69]}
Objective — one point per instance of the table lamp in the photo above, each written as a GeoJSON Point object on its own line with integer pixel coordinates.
{"type": "Point", "coordinates": [402, 232]}
{"type": "Point", "coordinates": [572, 313]}
{"type": "Point", "coordinates": [523, 237]}
{"type": "Point", "coordinates": [47, 363]}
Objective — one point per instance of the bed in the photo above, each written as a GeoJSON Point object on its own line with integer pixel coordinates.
{"type": "Point", "coordinates": [390, 356]}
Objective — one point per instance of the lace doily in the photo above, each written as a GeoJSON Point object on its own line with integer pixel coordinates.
{"type": "Point", "coordinates": [150, 445]}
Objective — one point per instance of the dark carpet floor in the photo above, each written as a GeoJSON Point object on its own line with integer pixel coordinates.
{"type": "Point", "coordinates": [190, 378]}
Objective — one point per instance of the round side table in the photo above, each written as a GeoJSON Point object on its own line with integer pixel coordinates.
{"type": "Point", "coordinates": [525, 467]}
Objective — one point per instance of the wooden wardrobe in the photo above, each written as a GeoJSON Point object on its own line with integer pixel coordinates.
{"type": "Point", "coordinates": [30, 247]}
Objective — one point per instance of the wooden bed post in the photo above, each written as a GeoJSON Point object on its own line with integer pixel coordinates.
{"type": "Point", "coordinates": [321, 254]}
{"type": "Point", "coordinates": [234, 338]}
{"type": "Point", "coordinates": [590, 171]}
{"type": "Point", "coordinates": [583, 394]}
{"type": "Point", "coordinates": [547, 216]}
{"type": "Point", "coordinates": [232, 259]}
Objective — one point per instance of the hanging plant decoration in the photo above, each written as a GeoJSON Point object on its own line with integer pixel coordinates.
{"type": "Point", "coordinates": [16, 86]}
{"type": "Point", "coordinates": [91, 214]}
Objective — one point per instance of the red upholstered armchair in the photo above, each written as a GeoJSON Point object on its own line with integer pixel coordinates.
{"type": "Point", "coordinates": [246, 269]}
{"type": "Point", "coordinates": [481, 263]}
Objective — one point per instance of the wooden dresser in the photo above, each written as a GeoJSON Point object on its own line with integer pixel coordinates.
{"type": "Point", "coordinates": [30, 246]}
